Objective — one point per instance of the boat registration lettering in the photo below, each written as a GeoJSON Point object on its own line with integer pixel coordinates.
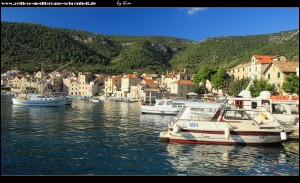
{"type": "Point", "coordinates": [193, 124]}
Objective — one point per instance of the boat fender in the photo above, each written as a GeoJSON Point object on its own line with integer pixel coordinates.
{"type": "Point", "coordinates": [283, 135]}
{"type": "Point", "coordinates": [226, 133]}
{"type": "Point", "coordinates": [176, 128]}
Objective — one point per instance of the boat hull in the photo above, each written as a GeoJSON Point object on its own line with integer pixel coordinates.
{"type": "Point", "coordinates": [162, 111]}
{"type": "Point", "coordinates": [54, 103]}
{"type": "Point", "coordinates": [248, 138]}
{"type": "Point", "coordinates": [69, 101]}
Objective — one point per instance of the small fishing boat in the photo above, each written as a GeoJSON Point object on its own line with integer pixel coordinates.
{"type": "Point", "coordinates": [39, 100]}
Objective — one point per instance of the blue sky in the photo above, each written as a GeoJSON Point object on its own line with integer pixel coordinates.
{"type": "Point", "coordinates": [187, 23]}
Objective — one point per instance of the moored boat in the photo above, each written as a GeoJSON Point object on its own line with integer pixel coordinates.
{"type": "Point", "coordinates": [173, 107]}
{"type": "Point", "coordinates": [162, 106]}
{"type": "Point", "coordinates": [39, 100]}
{"type": "Point", "coordinates": [228, 126]}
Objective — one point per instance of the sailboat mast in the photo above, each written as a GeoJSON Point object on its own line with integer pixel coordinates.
{"type": "Point", "coordinates": [43, 79]}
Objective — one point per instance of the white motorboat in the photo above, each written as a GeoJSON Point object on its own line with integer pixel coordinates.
{"type": "Point", "coordinates": [162, 106]}
{"type": "Point", "coordinates": [228, 126]}
{"type": "Point", "coordinates": [173, 107]}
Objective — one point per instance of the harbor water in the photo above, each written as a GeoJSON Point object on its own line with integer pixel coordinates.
{"type": "Point", "coordinates": [113, 138]}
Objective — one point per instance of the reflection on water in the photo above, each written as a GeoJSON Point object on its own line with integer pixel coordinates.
{"type": "Point", "coordinates": [113, 138]}
{"type": "Point", "coordinates": [155, 122]}
{"type": "Point", "coordinates": [231, 160]}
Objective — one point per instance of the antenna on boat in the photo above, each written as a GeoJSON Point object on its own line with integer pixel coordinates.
{"type": "Point", "coordinates": [246, 93]}
{"type": "Point", "coordinates": [249, 85]}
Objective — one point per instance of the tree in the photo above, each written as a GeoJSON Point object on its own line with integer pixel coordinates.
{"type": "Point", "coordinates": [200, 90]}
{"type": "Point", "coordinates": [219, 79]}
{"type": "Point", "coordinates": [262, 85]}
{"type": "Point", "coordinates": [204, 73]}
{"type": "Point", "coordinates": [291, 84]}
{"type": "Point", "coordinates": [235, 87]}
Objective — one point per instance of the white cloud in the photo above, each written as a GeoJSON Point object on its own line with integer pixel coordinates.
{"type": "Point", "coordinates": [192, 11]}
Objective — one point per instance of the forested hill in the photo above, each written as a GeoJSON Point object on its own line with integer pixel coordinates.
{"type": "Point", "coordinates": [26, 46]}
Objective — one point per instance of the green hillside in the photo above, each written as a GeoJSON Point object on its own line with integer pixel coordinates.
{"type": "Point", "coordinates": [26, 46]}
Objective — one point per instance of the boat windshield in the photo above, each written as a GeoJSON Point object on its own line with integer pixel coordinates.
{"type": "Point", "coordinates": [169, 103]}
{"type": "Point", "coordinates": [236, 115]}
{"type": "Point", "coordinates": [160, 103]}
{"type": "Point", "coordinates": [285, 108]}
{"type": "Point", "coordinates": [177, 105]}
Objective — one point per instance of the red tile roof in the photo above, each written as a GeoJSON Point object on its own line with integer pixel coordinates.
{"type": "Point", "coordinates": [145, 75]}
{"type": "Point", "coordinates": [184, 82]}
{"type": "Point", "coordinates": [264, 59]}
{"type": "Point", "coordinates": [150, 83]}
{"type": "Point", "coordinates": [130, 76]}
{"type": "Point", "coordinates": [19, 75]}
{"type": "Point", "coordinates": [170, 75]}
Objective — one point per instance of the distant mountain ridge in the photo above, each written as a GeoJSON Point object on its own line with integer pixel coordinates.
{"type": "Point", "coordinates": [27, 45]}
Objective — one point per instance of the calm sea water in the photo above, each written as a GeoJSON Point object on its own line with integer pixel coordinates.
{"type": "Point", "coordinates": [113, 138]}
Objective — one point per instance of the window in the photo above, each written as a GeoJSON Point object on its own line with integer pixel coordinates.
{"type": "Point", "coordinates": [239, 104]}
{"type": "Point", "coordinates": [269, 76]}
{"type": "Point", "coordinates": [169, 103]}
{"type": "Point", "coordinates": [243, 69]}
{"type": "Point", "coordinates": [255, 76]}
{"type": "Point", "coordinates": [255, 68]}
{"type": "Point", "coordinates": [181, 87]}
{"type": "Point", "coordinates": [278, 75]}
{"type": "Point", "coordinates": [188, 87]}
{"type": "Point", "coordinates": [253, 105]}
{"type": "Point", "coordinates": [236, 115]}
{"type": "Point", "coordinates": [161, 103]}
{"type": "Point", "coordinates": [249, 69]}
{"type": "Point", "coordinates": [238, 70]}
{"type": "Point", "coordinates": [253, 59]}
